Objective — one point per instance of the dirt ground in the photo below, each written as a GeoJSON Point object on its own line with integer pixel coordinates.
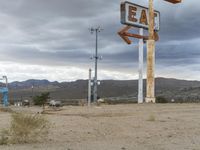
{"type": "Point", "coordinates": [118, 127]}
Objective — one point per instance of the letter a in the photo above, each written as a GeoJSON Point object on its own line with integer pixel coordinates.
{"type": "Point", "coordinates": [143, 18]}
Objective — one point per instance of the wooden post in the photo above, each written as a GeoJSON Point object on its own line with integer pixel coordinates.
{"type": "Point", "coordinates": [150, 84]}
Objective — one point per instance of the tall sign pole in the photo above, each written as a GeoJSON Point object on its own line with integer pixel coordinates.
{"type": "Point", "coordinates": [140, 82]}
{"type": "Point", "coordinates": [134, 15]}
{"type": "Point", "coordinates": [150, 83]}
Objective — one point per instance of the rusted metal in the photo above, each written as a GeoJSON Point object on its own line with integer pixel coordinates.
{"type": "Point", "coordinates": [156, 36]}
{"type": "Point", "coordinates": [137, 16]}
{"type": "Point", "coordinates": [130, 18]}
{"type": "Point", "coordinates": [123, 33]}
{"type": "Point", "coordinates": [125, 38]}
{"type": "Point", "coordinates": [137, 36]}
{"type": "Point", "coordinates": [174, 1]}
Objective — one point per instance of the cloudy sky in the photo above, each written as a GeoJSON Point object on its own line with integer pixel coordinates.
{"type": "Point", "coordinates": [49, 39]}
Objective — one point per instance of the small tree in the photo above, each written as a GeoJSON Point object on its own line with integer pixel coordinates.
{"type": "Point", "coordinates": [41, 99]}
{"type": "Point", "coordinates": [161, 99]}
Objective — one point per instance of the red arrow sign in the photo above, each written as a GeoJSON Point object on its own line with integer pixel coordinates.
{"type": "Point", "coordinates": [174, 1]}
{"type": "Point", "coordinates": [123, 33]}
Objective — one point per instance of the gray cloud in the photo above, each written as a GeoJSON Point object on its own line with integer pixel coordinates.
{"type": "Point", "coordinates": [55, 33]}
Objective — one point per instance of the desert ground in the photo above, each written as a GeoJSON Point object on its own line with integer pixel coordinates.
{"type": "Point", "coordinates": [117, 127]}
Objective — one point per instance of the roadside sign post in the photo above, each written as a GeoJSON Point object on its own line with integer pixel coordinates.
{"type": "Point", "coordinates": [137, 16]}
{"type": "Point", "coordinates": [150, 84]}
{"type": "Point", "coordinates": [134, 15]}
{"type": "Point", "coordinates": [140, 82]}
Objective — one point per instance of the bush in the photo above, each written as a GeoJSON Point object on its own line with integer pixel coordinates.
{"type": "Point", "coordinates": [151, 118]}
{"type": "Point", "coordinates": [6, 109]}
{"type": "Point", "coordinates": [4, 136]}
{"type": "Point", "coordinates": [161, 99]}
{"type": "Point", "coordinates": [42, 99]}
{"type": "Point", "coordinates": [25, 129]}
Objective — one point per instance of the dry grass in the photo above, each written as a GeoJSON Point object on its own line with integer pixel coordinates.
{"type": "Point", "coordinates": [151, 118]}
{"type": "Point", "coordinates": [4, 137]}
{"type": "Point", "coordinates": [25, 128]}
{"type": "Point", "coordinates": [6, 109]}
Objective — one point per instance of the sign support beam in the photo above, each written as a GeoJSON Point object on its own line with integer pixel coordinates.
{"type": "Point", "coordinates": [150, 83]}
{"type": "Point", "coordinates": [135, 16]}
{"type": "Point", "coordinates": [140, 82]}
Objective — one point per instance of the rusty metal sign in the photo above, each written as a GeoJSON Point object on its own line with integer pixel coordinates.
{"type": "Point", "coordinates": [138, 16]}
{"type": "Point", "coordinates": [174, 1]}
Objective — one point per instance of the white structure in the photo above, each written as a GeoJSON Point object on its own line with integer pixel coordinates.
{"type": "Point", "coordinates": [140, 81]}
{"type": "Point", "coordinates": [89, 87]}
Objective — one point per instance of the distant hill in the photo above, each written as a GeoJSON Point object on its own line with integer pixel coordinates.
{"type": "Point", "coordinates": [168, 88]}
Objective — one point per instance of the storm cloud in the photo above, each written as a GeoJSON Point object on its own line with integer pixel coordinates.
{"type": "Point", "coordinates": [50, 39]}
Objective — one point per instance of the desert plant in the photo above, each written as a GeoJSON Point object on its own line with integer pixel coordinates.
{"type": "Point", "coordinates": [41, 99]}
{"type": "Point", "coordinates": [151, 118]}
{"type": "Point", "coordinates": [27, 128]}
{"type": "Point", "coordinates": [6, 109]}
{"type": "Point", "coordinates": [161, 99]}
{"type": "Point", "coordinates": [4, 137]}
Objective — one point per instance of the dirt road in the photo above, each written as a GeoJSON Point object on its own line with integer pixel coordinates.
{"type": "Point", "coordinates": [118, 127]}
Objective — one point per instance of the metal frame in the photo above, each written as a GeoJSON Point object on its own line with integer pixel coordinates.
{"type": "Point", "coordinates": [123, 13]}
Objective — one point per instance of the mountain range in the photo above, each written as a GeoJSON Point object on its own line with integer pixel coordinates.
{"type": "Point", "coordinates": [168, 88]}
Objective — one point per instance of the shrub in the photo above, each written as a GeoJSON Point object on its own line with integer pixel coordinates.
{"type": "Point", "coordinates": [42, 99]}
{"type": "Point", "coordinates": [6, 109]}
{"type": "Point", "coordinates": [161, 99]}
{"type": "Point", "coordinates": [4, 136]}
{"type": "Point", "coordinates": [25, 128]}
{"type": "Point", "coordinates": [151, 118]}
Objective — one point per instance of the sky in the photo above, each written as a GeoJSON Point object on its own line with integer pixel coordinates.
{"type": "Point", "coordinates": [50, 39]}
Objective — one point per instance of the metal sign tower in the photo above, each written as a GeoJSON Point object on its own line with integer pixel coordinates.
{"type": "Point", "coordinates": [136, 16]}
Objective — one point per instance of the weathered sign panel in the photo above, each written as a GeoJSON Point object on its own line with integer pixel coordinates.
{"type": "Point", "coordinates": [137, 16]}
{"type": "Point", "coordinates": [174, 1]}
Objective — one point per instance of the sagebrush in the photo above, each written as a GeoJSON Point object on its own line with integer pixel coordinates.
{"type": "Point", "coordinates": [26, 128]}
{"type": "Point", "coordinates": [151, 118]}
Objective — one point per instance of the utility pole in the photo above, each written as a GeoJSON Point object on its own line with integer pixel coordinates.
{"type": "Point", "coordinates": [6, 81]}
{"type": "Point", "coordinates": [89, 87]}
{"type": "Point", "coordinates": [96, 30]}
{"type": "Point", "coordinates": [32, 87]}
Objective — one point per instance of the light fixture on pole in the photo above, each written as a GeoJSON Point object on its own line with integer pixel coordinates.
{"type": "Point", "coordinates": [96, 31]}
